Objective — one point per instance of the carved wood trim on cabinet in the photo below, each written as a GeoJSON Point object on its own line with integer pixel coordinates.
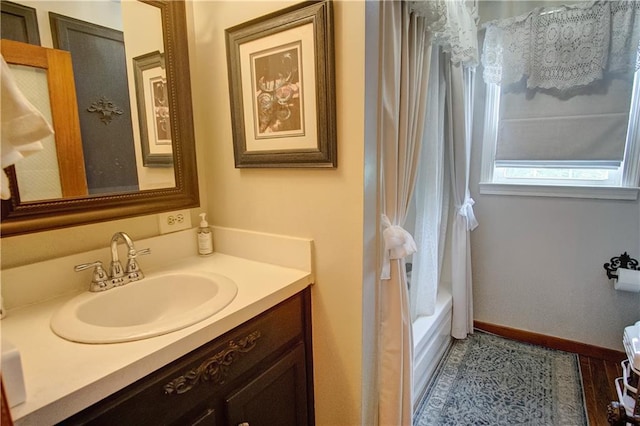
{"type": "Point", "coordinates": [214, 369]}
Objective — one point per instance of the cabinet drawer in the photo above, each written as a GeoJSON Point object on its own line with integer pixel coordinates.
{"type": "Point", "coordinates": [163, 397]}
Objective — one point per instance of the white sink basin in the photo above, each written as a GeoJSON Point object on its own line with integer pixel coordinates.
{"type": "Point", "coordinates": [155, 305]}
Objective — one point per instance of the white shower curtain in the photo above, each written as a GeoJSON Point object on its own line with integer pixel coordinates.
{"type": "Point", "coordinates": [407, 29]}
{"type": "Point", "coordinates": [432, 199]}
{"type": "Point", "coordinates": [405, 48]}
{"type": "Point", "coordinates": [450, 101]}
{"type": "Point", "coordinates": [458, 123]}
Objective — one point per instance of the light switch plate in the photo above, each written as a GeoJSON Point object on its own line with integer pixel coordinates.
{"type": "Point", "coordinates": [174, 221]}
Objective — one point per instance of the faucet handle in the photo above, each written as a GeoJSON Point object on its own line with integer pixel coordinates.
{"type": "Point", "coordinates": [140, 252]}
{"type": "Point", "coordinates": [100, 280]}
{"type": "Point", "coordinates": [133, 270]}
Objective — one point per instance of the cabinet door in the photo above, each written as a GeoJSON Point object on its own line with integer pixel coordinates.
{"type": "Point", "coordinates": [276, 397]}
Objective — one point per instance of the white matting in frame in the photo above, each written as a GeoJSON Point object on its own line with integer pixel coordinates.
{"type": "Point", "coordinates": [157, 111]}
{"type": "Point", "coordinates": [294, 48]}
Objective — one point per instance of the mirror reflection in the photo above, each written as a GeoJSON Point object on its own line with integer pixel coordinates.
{"type": "Point", "coordinates": [122, 101]}
{"type": "Point", "coordinates": [154, 154]}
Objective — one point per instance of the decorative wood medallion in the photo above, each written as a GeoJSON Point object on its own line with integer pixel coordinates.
{"type": "Point", "coordinates": [213, 369]}
{"type": "Point", "coordinates": [108, 109]}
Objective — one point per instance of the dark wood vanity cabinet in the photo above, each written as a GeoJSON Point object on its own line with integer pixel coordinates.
{"type": "Point", "coordinates": [259, 373]}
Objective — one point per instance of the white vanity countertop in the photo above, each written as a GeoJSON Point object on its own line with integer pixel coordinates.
{"type": "Point", "coordinates": [62, 377]}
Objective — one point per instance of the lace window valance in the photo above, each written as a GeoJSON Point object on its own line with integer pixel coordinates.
{"type": "Point", "coordinates": [453, 26]}
{"type": "Point", "coordinates": [563, 48]}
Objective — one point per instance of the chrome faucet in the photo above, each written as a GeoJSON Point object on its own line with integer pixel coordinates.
{"type": "Point", "coordinates": [101, 280]}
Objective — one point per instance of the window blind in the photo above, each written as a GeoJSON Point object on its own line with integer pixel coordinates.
{"type": "Point", "coordinates": [590, 126]}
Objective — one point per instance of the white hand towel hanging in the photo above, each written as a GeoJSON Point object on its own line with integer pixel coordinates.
{"type": "Point", "coordinates": [22, 125]}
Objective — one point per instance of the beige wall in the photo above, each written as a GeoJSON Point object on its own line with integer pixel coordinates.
{"type": "Point", "coordinates": [325, 205]}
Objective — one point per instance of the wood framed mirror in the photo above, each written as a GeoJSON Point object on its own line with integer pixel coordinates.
{"type": "Point", "coordinates": [20, 216]}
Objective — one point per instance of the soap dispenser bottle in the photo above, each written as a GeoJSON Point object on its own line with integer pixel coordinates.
{"type": "Point", "coordinates": [205, 237]}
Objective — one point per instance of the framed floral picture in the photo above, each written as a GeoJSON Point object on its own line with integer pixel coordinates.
{"type": "Point", "coordinates": [282, 88]}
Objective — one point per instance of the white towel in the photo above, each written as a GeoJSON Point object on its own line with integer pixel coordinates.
{"type": "Point", "coordinates": [22, 125]}
{"type": "Point", "coordinates": [631, 343]}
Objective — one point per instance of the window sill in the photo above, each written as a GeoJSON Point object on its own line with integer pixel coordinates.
{"type": "Point", "coordinates": [597, 192]}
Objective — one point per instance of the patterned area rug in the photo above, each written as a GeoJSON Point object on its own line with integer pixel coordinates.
{"type": "Point", "coordinates": [489, 380]}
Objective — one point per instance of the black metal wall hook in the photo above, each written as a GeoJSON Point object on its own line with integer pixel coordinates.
{"type": "Point", "coordinates": [623, 261]}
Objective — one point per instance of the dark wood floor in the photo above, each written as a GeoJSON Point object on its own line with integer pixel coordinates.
{"type": "Point", "coordinates": [599, 389]}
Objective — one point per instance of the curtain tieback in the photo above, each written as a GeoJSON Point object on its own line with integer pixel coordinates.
{"type": "Point", "coordinates": [466, 211]}
{"type": "Point", "coordinates": [398, 244]}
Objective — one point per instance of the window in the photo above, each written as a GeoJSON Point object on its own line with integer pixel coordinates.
{"type": "Point", "coordinates": [574, 177]}
{"type": "Point", "coordinates": [562, 106]}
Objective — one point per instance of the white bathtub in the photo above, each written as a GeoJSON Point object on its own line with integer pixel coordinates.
{"type": "Point", "coordinates": [431, 338]}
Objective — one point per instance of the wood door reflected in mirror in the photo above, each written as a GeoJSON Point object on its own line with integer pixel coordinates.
{"type": "Point", "coordinates": [46, 79]}
{"type": "Point", "coordinates": [136, 128]}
